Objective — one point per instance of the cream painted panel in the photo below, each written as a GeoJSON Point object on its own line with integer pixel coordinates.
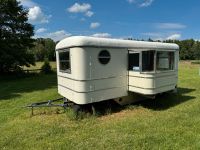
{"type": "Point", "coordinates": [69, 94]}
{"type": "Point", "coordinates": [116, 67]}
{"type": "Point", "coordinates": [105, 42]}
{"type": "Point", "coordinates": [91, 97]}
{"type": "Point", "coordinates": [171, 80]}
{"type": "Point", "coordinates": [91, 81]}
{"type": "Point", "coordinates": [152, 83]}
{"type": "Point", "coordinates": [80, 63]}
{"type": "Point", "coordinates": [85, 64]}
{"type": "Point", "coordinates": [141, 90]}
{"type": "Point", "coordinates": [79, 60]}
{"type": "Point", "coordinates": [66, 82]}
{"type": "Point", "coordinates": [152, 75]}
{"type": "Point", "coordinates": [57, 62]}
{"type": "Point", "coordinates": [141, 82]}
{"type": "Point", "coordinates": [151, 91]}
{"type": "Point", "coordinates": [92, 85]}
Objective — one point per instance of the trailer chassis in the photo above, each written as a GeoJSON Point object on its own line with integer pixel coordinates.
{"type": "Point", "coordinates": [50, 103]}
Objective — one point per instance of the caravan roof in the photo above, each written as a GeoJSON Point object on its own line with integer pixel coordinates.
{"type": "Point", "coordinates": [84, 41]}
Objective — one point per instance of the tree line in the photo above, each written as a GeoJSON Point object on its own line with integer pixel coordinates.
{"type": "Point", "coordinates": [189, 49]}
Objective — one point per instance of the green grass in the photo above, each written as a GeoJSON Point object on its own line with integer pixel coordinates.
{"type": "Point", "coordinates": [171, 121]}
{"type": "Point", "coordinates": [38, 65]}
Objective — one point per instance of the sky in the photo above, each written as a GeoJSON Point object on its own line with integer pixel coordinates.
{"type": "Point", "coordinates": [137, 19]}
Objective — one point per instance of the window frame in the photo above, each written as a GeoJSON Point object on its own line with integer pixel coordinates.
{"type": "Point", "coordinates": [69, 69]}
{"type": "Point", "coordinates": [134, 52]}
{"type": "Point", "coordinates": [174, 64]}
{"type": "Point", "coordinates": [154, 62]}
{"type": "Point", "coordinates": [140, 60]}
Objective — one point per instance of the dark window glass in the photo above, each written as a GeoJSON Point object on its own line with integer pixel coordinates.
{"type": "Point", "coordinates": [104, 57]}
{"type": "Point", "coordinates": [148, 60]}
{"type": "Point", "coordinates": [165, 61]}
{"type": "Point", "coordinates": [133, 61]}
{"type": "Point", "coordinates": [64, 59]}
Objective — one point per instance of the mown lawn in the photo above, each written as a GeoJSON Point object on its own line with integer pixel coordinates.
{"type": "Point", "coordinates": [169, 122]}
{"type": "Point", "coordinates": [38, 65]}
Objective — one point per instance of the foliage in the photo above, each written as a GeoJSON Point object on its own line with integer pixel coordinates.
{"type": "Point", "coordinates": [15, 37]}
{"type": "Point", "coordinates": [44, 48]}
{"type": "Point", "coordinates": [38, 65]}
{"type": "Point", "coordinates": [46, 67]}
{"type": "Point", "coordinates": [189, 49]}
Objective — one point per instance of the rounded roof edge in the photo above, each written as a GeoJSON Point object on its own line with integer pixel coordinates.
{"type": "Point", "coordinates": [78, 41]}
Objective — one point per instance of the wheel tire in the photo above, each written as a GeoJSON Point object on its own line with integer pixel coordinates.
{"type": "Point", "coordinates": [76, 108]}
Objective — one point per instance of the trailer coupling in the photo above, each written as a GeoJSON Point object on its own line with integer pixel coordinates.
{"type": "Point", "coordinates": [50, 103]}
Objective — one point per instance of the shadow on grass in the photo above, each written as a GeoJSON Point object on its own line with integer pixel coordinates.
{"type": "Point", "coordinates": [167, 100]}
{"type": "Point", "coordinates": [161, 102]}
{"type": "Point", "coordinates": [106, 108]}
{"type": "Point", "coordinates": [13, 86]}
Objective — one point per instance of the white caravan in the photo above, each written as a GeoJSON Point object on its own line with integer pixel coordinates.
{"type": "Point", "coordinates": [96, 69]}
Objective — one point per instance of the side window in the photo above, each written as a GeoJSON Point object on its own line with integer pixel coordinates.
{"type": "Point", "coordinates": [148, 61]}
{"type": "Point", "coordinates": [165, 61]}
{"type": "Point", "coordinates": [64, 61]}
{"type": "Point", "coordinates": [133, 61]}
{"type": "Point", "coordinates": [104, 57]}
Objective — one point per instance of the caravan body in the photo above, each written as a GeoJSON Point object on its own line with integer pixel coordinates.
{"type": "Point", "coordinates": [96, 69]}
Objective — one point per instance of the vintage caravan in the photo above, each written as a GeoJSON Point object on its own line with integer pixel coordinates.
{"type": "Point", "coordinates": [93, 69]}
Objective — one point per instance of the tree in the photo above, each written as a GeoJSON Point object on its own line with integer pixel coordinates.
{"type": "Point", "coordinates": [46, 67]}
{"type": "Point", "coordinates": [44, 48]}
{"type": "Point", "coordinates": [188, 48]}
{"type": "Point", "coordinates": [150, 40]}
{"type": "Point", "coordinates": [50, 48]}
{"type": "Point", "coordinates": [15, 36]}
{"type": "Point", "coordinates": [196, 50]}
{"type": "Point", "coordinates": [38, 50]}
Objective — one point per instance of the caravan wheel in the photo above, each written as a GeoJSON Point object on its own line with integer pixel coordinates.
{"type": "Point", "coordinates": [76, 108]}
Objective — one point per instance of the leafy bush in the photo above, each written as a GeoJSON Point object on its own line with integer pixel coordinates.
{"type": "Point", "coordinates": [46, 68]}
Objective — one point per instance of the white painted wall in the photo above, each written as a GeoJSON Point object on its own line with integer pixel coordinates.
{"type": "Point", "coordinates": [91, 81]}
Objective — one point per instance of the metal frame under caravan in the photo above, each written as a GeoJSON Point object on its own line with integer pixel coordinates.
{"type": "Point", "coordinates": [96, 69]}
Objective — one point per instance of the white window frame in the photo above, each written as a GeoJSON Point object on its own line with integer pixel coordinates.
{"type": "Point", "coordinates": [133, 52]}
{"type": "Point", "coordinates": [174, 65]}
{"type": "Point", "coordinates": [67, 70]}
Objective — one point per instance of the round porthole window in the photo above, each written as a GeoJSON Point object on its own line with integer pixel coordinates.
{"type": "Point", "coordinates": [104, 57]}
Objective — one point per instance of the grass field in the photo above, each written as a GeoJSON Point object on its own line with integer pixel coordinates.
{"type": "Point", "coordinates": [169, 122]}
{"type": "Point", "coordinates": [38, 65]}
